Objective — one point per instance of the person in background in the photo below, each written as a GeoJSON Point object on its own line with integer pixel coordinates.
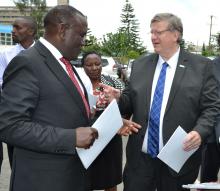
{"type": "Point", "coordinates": [106, 170]}
{"type": "Point", "coordinates": [122, 75]}
{"type": "Point", "coordinates": [23, 34]}
{"type": "Point", "coordinates": [1, 146]}
{"type": "Point", "coordinates": [167, 89]}
{"type": "Point", "coordinates": [44, 108]}
{"type": "Point", "coordinates": [211, 154]}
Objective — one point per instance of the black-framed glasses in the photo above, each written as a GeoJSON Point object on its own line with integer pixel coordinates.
{"type": "Point", "coordinates": [158, 33]}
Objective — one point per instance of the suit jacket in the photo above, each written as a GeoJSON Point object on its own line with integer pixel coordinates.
{"type": "Point", "coordinates": [216, 132]}
{"type": "Point", "coordinates": [40, 109]}
{"type": "Point", "coordinates": [193, 102]}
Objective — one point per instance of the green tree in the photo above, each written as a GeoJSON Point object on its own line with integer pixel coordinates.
{"type": "Point", "coordinates": [115, 44]}
{"type": "Point", "coordinates": [36, 9]}
{"type": "Point", "coordinates": [207, 51]}
{"type": "Point", "coordinates": [91, 43]}
{"type": "Point", "coordinates": [130, 28]}
{"type": "Point", "coordinates": [218, 42]}
{"type": "Point", "coordinates": [190, 47]}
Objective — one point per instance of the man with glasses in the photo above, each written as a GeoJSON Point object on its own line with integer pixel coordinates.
{"type": "Point", "coordinates": [167, 89]}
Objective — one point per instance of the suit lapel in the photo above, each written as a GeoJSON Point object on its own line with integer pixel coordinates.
{"type": "Point", "coordinates": [150, 76]}
{"type": "Point", "coordinates": [61, 75]}
{"type": "Point", "coordinates": [180, 71]}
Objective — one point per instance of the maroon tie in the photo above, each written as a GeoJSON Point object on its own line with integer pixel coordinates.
{"type": "Point", "coordinates": [75, 82]}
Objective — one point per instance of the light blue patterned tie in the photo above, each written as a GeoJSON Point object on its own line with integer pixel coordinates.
{"type": "Point", "coordinates": [154, 120]}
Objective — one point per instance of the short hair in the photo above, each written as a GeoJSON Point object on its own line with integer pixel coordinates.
{"type": "Point", "coordinates": [60, 14]}
{"type": "Point", "coordinates": [86, 54]}
{"type": "Point", "coordinates": [175, 22]}
{"type": "Point", "coordinates": [31, 22]}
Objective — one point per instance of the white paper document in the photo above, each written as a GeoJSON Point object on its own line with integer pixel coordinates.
{"type": "Point", "coordinates": [172, 153]}
{"type": "Point", "coordinates": [207, 186]}
{"type": "Point", "coordinates": [108, 124]}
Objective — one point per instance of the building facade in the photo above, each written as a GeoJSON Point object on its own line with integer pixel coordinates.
{"type": "Point", "coordinates": [7, 17]}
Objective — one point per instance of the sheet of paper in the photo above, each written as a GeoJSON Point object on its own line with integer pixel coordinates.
{"type": "Point", "coordinates": [92, 100]}
{"type": "Point", "coordinates": [172, 153]}
{"type": "Point", "coordinates": [208, 185]}
{"type": "Point", "coordinates": [108, 124]}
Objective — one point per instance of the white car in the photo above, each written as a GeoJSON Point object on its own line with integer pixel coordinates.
{"type": "Point", "coordinates": [129, 67]}
{"type": "Point", "coordinates": [109, 66]}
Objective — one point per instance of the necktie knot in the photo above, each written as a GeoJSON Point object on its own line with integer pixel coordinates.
{"type": "Point", "coordinates": [65, 61]}
{"type": "Point", "coordinates": [165, 65]}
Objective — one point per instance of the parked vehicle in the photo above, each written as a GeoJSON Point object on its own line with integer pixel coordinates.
{"type": "Point", "coordinates": [211, 57]}
{"type": "Point", "coordinates": [76, 63]}
{"type": "Point", "coordinates": [109, 65]}
{"type": "Point", "coordinates": [129, 67]}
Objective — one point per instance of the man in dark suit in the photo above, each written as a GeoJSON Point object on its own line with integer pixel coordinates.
{"type": "Point", "coordinates": [211, 151]}
{"type": "Point", "coordinates": [189, 99]}
{"type": "Point", "coordinates": [44, 115]}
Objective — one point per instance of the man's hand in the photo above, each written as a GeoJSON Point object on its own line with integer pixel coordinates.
{"type": "Point", "coordinates": [110, 92]}
{"type": "Point", "coordinates": [128, 128]}
{"type": "Point", "coordinates": [85, 137]}
{"type": "Point", "coordinates": [192, 141]}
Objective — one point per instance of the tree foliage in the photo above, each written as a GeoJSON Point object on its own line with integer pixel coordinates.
{"type": "Point", "coordinates": [125, 44]}
{"type": "Point", "coordinates": [115, 45]}
{"type": "Point", "coordinates": [36, 8]}
{"type": "Point", "coordinates": [130, 28]}
{"type": "Point", "coordinates": [91, 43]}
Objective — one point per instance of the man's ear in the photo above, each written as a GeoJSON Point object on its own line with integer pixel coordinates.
{"type": "Point", "coordinates": [30, 32]}
{"type": "Point", "coordinates": [62, 30]}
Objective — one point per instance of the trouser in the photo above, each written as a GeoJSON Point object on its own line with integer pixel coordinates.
{"type": "Point", "coordinates": [210, 162]}
{"type": "Point", "coordinates": [1, 155]}
{"type": "Point", "coordinates": [152, 174]}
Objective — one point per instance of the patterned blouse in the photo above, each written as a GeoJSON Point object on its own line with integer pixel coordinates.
{"type": "Point", "coordinates": [110, 81]}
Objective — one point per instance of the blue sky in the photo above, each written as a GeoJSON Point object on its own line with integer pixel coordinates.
{"type": "Point", "coordinates": [104, 16]}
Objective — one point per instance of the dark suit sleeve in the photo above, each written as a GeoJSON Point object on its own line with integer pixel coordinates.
{"type": "Point", "coordinates": [216, 132]}
{"type": "Point", "coordinates": [209, 103]}
{"type": "Point", "coordinates": [19, 100]}
{"type": "Point", "coordinates": [125, 102]}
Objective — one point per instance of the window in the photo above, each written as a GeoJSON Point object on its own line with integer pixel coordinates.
{"type": "Point", "coordinates": [6, 39]}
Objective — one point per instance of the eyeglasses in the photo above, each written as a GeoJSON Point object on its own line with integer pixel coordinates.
{"type": "Point", "coordinates": [158, 33]}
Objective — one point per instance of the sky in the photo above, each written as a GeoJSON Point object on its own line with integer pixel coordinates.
{"type": "Point", "coordinates": [104, 16]}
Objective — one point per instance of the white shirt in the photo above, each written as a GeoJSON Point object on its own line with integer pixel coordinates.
{"type": "Point", "coordinates": [6, 57]}
{"type": "Point", "coordinates": [171, 69]}
{"type": "Point", "coordinates": [56, 53]}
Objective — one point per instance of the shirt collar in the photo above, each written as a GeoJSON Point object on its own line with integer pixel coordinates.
{"type": "Point", "coordinates": [54, 51]}
{"type": "Point", "coordinates": [22, 48]}
{"type": "Point", "coordinates": [172, 62]}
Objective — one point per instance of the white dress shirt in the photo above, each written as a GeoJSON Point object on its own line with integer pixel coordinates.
{"type": "Point", "coordinates": [171, 69]}
{"type": "Point", "coordinates": [6, 56]}
{"type": "Point", "coordinates": [55, 52]}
